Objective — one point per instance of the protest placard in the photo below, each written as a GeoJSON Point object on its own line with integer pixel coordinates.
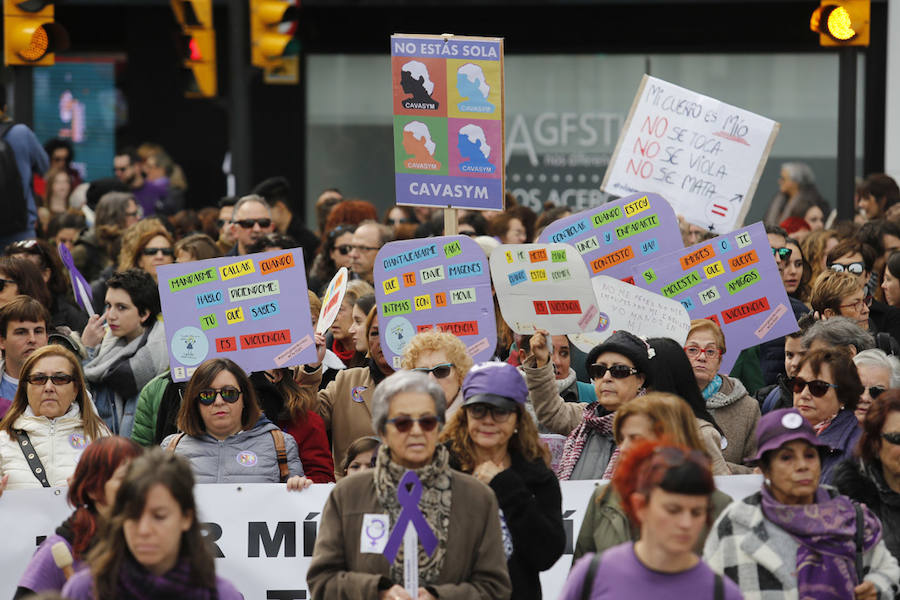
{"type": "Point", "coordinates": [448, 120]}
{"type": "Point", "coordinates": [438, 282]}
{"type": "Point", "coordinates": [331, 301]}
{"type": "Point", "coordinates": [703, 155]}
{"type": "Point", "coordinates": [731, 279]}
{"type": "Point", "coordinates": [543, 286]}
{"type": "Point", "coordinates": [252, 309]}
{"type": "Point", "coordinates": [627, 307]}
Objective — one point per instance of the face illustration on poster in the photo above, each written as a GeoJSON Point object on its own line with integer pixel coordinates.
{"type": "Point", "coordinates": [472, 85]}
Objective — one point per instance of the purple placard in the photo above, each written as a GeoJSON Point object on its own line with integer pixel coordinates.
{"type": "Point", "coordinates": [439, 282]}
{"type": "Point", "coordinates": [614, 237]}
{"type": "Point", "coordinates": [731, 279]}
{"type": "Point", "coordinates": [252, 309]}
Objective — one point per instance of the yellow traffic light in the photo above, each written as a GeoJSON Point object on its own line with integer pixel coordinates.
{"type": "Point", "coordinates": [30, 35]}
{"type": "Point", "coordinates": [842, 22]}
{"type": "Point", "coordinates": [272, 25]}
{"type": "Point", "coordinates": [199, 51]}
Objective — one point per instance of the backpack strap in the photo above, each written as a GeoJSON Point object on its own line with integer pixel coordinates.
{"type": "Point", "coordinates": [34, 461]}
{"type": "Point", "coordinates": [5, 127]}
{"type": "Point", "coordinates": [280, 454]}
{"type": "Point", "coordinates": [718, 588]}
{"type": "Point", "coordinates": [588, 583]}
{"type": "Point", "coordinates": [174, 442]}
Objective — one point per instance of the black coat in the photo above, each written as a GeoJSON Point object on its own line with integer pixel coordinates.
{"type": "Point", "coordinates": [866, 484]}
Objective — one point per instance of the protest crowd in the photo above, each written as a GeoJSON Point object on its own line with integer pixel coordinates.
{"type": "Point", "coordinates": [88, 401]}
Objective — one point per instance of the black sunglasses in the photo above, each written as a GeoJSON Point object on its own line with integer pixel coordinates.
{"type": "Point", "coordinates": [340, 230]}
{"type": "Point", "coordinates": [439, 371]}
{"type": "Point", "coordinates": [616, 371]}
{"type": "Point", "coordinates": [876, 390]}
{"type": "Point", "coordinates": [344, 249]}
{"type": "Point", "coordinates": [817, 387]}
{"type": "Point", "coordinates": [249, 223]}
{"type": "Point", "coordinates": [55, 379]}
{"type": "Point", "coordinates": [855, 268]}
{"type": "Point", "coordinates": [782, 253]}
{"type": "Point", "coordinates": [208, 396]}
{"type": "Point", "coordinates": [892, 437]}
{"type": "Point", "coordinates": [148, 251]}
{"type": "Point", "coordinates": [404, 424]}
{"type": "Point", "coordinates": [480, 411]}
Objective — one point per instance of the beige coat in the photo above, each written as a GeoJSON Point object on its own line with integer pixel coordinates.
{"type": "Point", "coordinates": [474, 564]}
{"type": "Point", "coordinates": [737, 419]}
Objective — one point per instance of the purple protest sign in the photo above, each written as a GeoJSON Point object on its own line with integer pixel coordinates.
{"type": "Point", "coordinates": [82, 289]}
{"type": "Point", "coordinates": [252, 309]}
{"type": "Point", "coordinates": [731, 279]}
{"type": "Point", "coordinates": [439, 282]}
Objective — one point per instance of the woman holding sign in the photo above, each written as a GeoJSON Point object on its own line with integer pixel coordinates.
{"type": "Point", "coordinates": [359, 550]}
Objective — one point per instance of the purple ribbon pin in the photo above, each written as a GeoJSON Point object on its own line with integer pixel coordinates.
{"type": "Point", "coordinates": [409, 500]}
{"type": "Point", "coordinates": [80, 286]}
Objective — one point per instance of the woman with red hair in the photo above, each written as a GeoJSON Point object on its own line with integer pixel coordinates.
{"type": "Point", "coordinates": [666, 492]}
{"type": "Point", "coordinates": [92, 491]}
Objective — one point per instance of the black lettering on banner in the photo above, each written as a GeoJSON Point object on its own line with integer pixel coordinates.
{"type": "Point", "coordinates": [285, 594]}
{"type": "Point", "coordinates": [285, 537]}
{"type": "Point", "coordinates": [309, 533]}
{"type": "Point", "coordinates": [212, 532]}
{"type": "Point", "coordinates": [569, 526]}
{"type": "Point", "coordinates": [39, 539]}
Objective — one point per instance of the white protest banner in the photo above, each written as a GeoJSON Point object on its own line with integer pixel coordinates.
{"type": "Point", "coordinates": [624, 306]}
{"type": "Point", "coordinates": [263, 535]}
{"type": "Point", "coordinates": [543, 286]}
{"type": "Point", "coordinates": [331, 301]}
{"type": "Point", "coordinates": [703, 155]}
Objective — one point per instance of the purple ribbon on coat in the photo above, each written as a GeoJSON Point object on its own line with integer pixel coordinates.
{"type": "Point", "coordinates": [80, 286]}
{"type": "Point", "coordinates": [410, 513]}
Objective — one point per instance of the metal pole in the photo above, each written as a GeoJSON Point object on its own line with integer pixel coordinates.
{"type": "Point", "coordinates": [239, 138]}
{"type": "Point", "coordinates": [23, 95]}
{"type": "Point", "coordinates": [846, 150]}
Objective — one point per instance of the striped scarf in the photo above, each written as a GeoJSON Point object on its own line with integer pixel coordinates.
{"type": "Point", "coordinates": [590, 424]}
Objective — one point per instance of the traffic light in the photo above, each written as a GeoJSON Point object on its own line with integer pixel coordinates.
{"type": "Point", "coordinates": [198, 46]}
{"type": "Point", "coordinates": [842, 22]}
{"type": "Point", "coordinates": [272, 27]}
{"type": "Point", "coordinates": [30, 35]}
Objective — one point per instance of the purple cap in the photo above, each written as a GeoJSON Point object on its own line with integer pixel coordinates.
{"type": "Point", "coordinates": [781, 426]}
{"type": "Point", "coordinates": [496, 383]}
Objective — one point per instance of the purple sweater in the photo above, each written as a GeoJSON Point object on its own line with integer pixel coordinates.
{"type": "Point", "coordinates": [81, 587]}
{"type": "Point", "coordinates": [621, 575]}
{"type": "Point", "coordinates": [42, 574]}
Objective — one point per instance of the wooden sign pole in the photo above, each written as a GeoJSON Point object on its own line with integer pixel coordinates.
{"type": "Point", "coordinates": [451, 221]}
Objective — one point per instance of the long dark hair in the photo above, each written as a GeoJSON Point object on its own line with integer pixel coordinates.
{"type": "Point", "coordinates": [671, 371]}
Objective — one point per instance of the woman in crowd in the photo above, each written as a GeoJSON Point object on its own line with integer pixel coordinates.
{"type": "Point", "coordinates": [657, 417]}
{"type": "Point", "coordinates": [666, 492]}
{"type": "Point", "coordinates": [815, 248]}
{"type": "Point", "coordinates": [343, 345]}
{"type": "Point", "coordinates": [360, 455]}
{"type": "Point", "coordinates": [878, 373]}
{"type": "Point", "coordinates": [461, 515]}
{"type": "Point", "coordinates": [51, 414]}
{"type": "Point", "coordinates": [619, 371]}
{"type": "Point", "coordinates": [795, 538]}
{"type": "Point", "coordinates": [92, 493]}
{"type": "Point", "coordinates": [346, 403]}
{"type": "Point", "coordinates": [333, 254]}
{"type": "Point", "coordinates": [402, 219]}
{"type": "Point", "coordinates": [733, 409]}
{"type": "Point", "coordinates": [151, 249]}
{"type": "Point", "coordinates": [98, 248]}
{"type": "Point", "coordinates": [891, 283]}
{"type": "Point", "coordinates": [122, 361]}
{"type": "Point", "coordinates": [22, 277]}
{"type": "Point", "coordinates": [197, 246]}
{"type": "Point", "coordinates": [445, 358]}
{"type": "Point", "coordinates": [331, 364]}
{"type": "Point", "coordinates": [795, 274]}
{"type": "Point", "coordinates": [872, 477]}
{"type": "Point", "coordinates": [841, 294]}
{"type": "Point", "coordinates": [361, 309]}
{"type": "Point", "coordinates": [508, 229]}
{"type": "Point", "coordinates": [826, 392]}
{"type": "Point", "coordinates": [494, 439]}
{"type": "Point", "coordinates": [225, 436]}
{"type": "Point", "coordinates": [153, 546]}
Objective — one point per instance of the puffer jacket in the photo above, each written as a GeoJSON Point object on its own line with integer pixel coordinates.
{"type": "Point", "coordinates": [58, 442]}
{"type": "Point", "coordinates": [245, 457]}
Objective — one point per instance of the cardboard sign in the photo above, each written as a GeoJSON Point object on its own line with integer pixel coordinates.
{"type": "Point", "coordinates": [702, 155]}
{"type": "Point", "coordinates": [448, 120]}
{"type": "Point", "coordinates": [253, 309]}
{"type": "Point", "coordinates": [543, 286]}
{"type": "Point", "coordinates": [332, 300]}
{"type": "Point", "coordinates": [627, 307]}
{"type": "Point", "coordinates": [731, 279]}
{"type": "Point", "coordinates": [434, 283]}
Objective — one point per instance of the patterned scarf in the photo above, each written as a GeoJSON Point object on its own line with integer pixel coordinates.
{"type": "Point", "coordinates": [590, 424]}
{"type": "Point", "coordinates": [435, 506]}
{"type": "Point", "coordinates": [823, 425]}
{"type": "Point", "coordinates": [138, 583]}
{"type": "Point", "coordinates": [826, 532]}
{"type": "Point", "coordinates": [712, 388]}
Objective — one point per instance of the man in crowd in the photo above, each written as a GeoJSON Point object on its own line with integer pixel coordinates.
{"type": "Point", "coordinates": [23, 329]}
{"type": "Point", "coordinates": [127, 168]}
{"type": "Point", "coordinates": [251, 220]}
{"type": "Point", "coordinates": [368, 239]}
{"type": "Point", "coordinates": [277, 191]}
{"type": "Point", "coordinates": [226, 227]}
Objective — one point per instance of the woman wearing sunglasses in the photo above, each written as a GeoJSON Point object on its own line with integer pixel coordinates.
{"type": "Point", "coordinates": [796, 538]}
{"type": "Point", "coordinates": [667, 493]}
{"type": "Point", "coordinates": [49, 424]}
{"type": "Point", "coordinates": [445, 358]}
{"type": "Point", "coordinates": [878, 373]}
{"type": "Point", "coordinates": [873, 475]}
{"type": "Point", "coordinates": [152, 249]}
{"type": "Point", "coordinates": [461, 518]}
{"type": "Point", "coordinates": [494, 438]}
{"type": "Point", "coordinates": [826, 391]}
{"type": "Point", "coordinates": [225, 435]}
{"type": "Point", "coordinates": [333, 254]}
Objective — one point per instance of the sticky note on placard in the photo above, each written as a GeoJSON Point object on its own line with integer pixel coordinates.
{"type": "Point", "coordinates": [612, 238]}
{"type": "Point", "coordinates": [626, 307]}
{"type": "Point", "coordinates": [529, 291]}
{"type": "Point", "coordinates": [435, 283]}
{"type": "Point", "coordinates": [732, 279]}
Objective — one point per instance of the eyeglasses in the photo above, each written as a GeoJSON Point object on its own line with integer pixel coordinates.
{"type": "Point", "coordinates": [781, 253]}
{"type": "Point", "coordinates": [404, 424]}
{"type": "Point", "coordinates": [148, 251]}
{"type": "Point", "coordinates": [393, 222]}
{"type": "Point", "coordinates": [55, 379]}
{"type": "Point", "coordinates": [876, 390]}
{"type": "Point", "coordinates": [344, 249]}
{"type": "Point", "coordinates": [480, 411]}
{"type": "Point", "coordinates": [892, 437]}
{"type": "Point", "coordinates": [817, 387]}
{"type": "Point", "coordinates": [859, 303]}
{"type": "Point", "coordinates": [695, 351]}
{"type": "Point", "coordinates": [439, 371]}
{"type": "Point", "coordinates": [856, 268]}
{"type": "Point", "coordinates": [249, 223]}
{"type": "Point", "coordinates": [120, 169]}
{"type": "Point", "coordinates": [208, 396]}
{"type": "Point", "coordinates": [3, 283]}
{"type": "Point", "coordinates": [616, 371]}
{"type": "Point", "coordinates": [364, 248]}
